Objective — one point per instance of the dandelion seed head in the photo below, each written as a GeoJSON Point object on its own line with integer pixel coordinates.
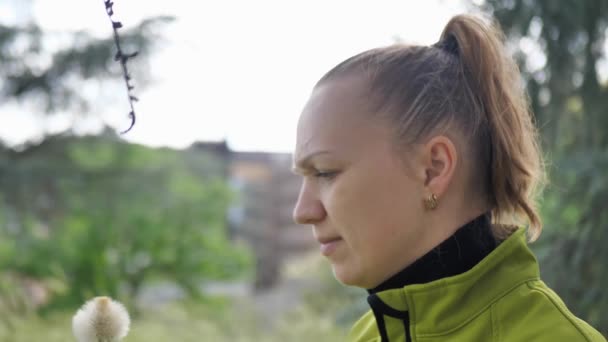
{"type": "Point", "coordinates": [101, 319]}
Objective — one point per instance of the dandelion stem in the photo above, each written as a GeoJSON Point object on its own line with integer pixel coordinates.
{"type": "Point", "coordinates": [123, 59]}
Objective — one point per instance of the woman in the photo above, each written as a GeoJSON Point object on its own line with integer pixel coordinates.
{"type": "Point", "coordinates": [418, 163]}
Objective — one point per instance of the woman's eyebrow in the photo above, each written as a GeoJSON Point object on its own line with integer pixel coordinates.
{"type": "Point", "coordinates": [304, 163]}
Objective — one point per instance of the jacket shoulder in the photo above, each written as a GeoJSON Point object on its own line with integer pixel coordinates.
{"type": "Point", "coordinates": [534, 312]}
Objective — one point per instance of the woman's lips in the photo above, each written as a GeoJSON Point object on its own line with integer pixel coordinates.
{"type": "Point", "coordinates": [329, 246]}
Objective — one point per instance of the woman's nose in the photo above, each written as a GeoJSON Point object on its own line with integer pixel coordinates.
{"type": "Point", "coordinates": [308, 209]}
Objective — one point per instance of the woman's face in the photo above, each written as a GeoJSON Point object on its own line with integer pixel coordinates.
{"type": "Point", "coordinates": [365, 206]}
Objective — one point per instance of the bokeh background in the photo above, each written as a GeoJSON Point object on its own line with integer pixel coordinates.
{"type": "Point", "coordinates": [187, 218]}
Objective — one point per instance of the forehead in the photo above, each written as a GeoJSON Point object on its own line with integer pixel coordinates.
{"type": "Point", "coordinates": [338, 117]}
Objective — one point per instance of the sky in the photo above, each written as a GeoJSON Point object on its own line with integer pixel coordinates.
{"type": "Point", "coordinates": [235, 70]}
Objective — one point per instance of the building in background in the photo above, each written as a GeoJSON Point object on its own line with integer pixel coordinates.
{"type": "Point", "coordinates": [267, 190]}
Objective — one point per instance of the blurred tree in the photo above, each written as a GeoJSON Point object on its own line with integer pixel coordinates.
{"type": "Point", "coordinates": [88, 216]}
{"type": "Point", "coordinates": [49, 69]}
{"type": "Point", "coordinates": [561, 47]}
{"type": "Point", "coordinates": [94, 215]}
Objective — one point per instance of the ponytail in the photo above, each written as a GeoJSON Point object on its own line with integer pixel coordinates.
{"type": "Point", "coordinates": [492, 81]}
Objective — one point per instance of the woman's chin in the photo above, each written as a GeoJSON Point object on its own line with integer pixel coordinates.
{"type": "Point", "coordinates": [346, 276]}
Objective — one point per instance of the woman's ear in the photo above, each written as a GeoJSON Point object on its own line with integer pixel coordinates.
{"type": "Point", "coordinates": [440, 159]}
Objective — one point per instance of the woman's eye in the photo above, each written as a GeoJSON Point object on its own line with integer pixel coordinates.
{"type": "Point", "coordinates": [325, 174]}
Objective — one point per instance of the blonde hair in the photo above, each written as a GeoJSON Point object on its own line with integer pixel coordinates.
{"type": "Point", "coordinates": [468, 80]}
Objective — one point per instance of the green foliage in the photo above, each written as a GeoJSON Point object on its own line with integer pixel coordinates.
{"type": "Point", "coordinates": [196, 321]}
{"type": "Point", "coordinates": [344, 304]}
{"type": "Point", "coordinates": [576, 257]}
{"type": "Point", "coordinates": [14, 305]}
{"type": "Point", "coordinates": [561, 47]}
{"type": "Point", "coordinates": [97, 216]}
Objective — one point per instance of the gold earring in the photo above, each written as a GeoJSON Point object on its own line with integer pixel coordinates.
{"type": "Point", "coordinates": [431, 202]}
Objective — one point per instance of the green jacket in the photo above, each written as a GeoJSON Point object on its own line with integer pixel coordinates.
{"type": "Point", "coordinates": [500, 299]}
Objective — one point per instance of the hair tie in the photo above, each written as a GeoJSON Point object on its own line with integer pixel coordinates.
{"type": "Point", "coordinates": [448, 44]}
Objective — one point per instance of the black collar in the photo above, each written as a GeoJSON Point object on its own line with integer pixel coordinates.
{"type": "Point", "coordinates": [457, 254]}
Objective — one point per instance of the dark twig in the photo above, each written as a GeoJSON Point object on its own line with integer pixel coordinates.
{"type": "Point", "coordinates": [123, 58]}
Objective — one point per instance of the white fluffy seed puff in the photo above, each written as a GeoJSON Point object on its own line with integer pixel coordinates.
{"type": "Point", "coordinates": [101, 319]}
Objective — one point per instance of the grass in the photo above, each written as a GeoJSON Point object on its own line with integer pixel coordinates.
{"type": "Point", "coordinates": [187, 322]}
{"type": "Point", "coordinates": [319, 318]}
{"type": "Point", "coordinates": [326, 313]}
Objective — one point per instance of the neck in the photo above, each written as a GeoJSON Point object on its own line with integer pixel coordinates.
{"type": "Point", "coordinates": [457, 254]}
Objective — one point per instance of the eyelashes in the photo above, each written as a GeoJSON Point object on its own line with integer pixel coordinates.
{"type": "Point", "coordinates": [325, 174]}
{"type": "Point", "coordinates": [313, 173]}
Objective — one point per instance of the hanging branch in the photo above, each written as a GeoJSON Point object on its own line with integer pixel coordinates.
{"type": "Point", "coordinates": [123, 58]}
